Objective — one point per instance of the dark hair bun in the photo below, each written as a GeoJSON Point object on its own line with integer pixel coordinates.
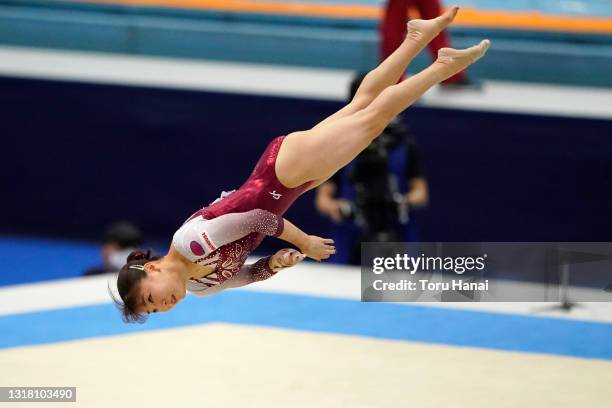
{"type": "Point", "coordinates": [138, 256]}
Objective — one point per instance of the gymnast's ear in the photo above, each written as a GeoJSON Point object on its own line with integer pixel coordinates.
{"type": "Point", "coordinates": [152, 266]}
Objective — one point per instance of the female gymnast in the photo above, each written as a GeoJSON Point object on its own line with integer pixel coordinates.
{"type": "Point", "coordinates": [208, 251]}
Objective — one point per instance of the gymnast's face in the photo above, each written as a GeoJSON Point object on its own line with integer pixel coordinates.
{"type": "Point", "coordinates": [160, 290]}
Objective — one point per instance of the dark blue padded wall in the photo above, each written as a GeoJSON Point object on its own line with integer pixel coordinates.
{"type": "Point", "coordinates": [84, 155]}
{"type": "Point", "coordinates": [78, 156]}
{"type": "Point", "coordinates": [503, 177]}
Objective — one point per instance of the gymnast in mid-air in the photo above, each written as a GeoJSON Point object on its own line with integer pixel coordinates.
{"type": "Point", "coordinates": [209, 250]}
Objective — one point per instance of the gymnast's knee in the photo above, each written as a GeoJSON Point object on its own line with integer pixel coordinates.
{"type": "Point", "coordinates": [360, 102]}
{"type": "Point", "coordinates": [373, 121]}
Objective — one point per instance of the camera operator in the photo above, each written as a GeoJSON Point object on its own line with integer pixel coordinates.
{"type": "Point", "coordinates": [371, 198]}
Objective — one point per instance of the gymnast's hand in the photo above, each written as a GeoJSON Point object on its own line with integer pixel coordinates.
{"type": "Point", "coordinates": [318, 248]}
{"type": "Point", "coordinates": [285, 258]}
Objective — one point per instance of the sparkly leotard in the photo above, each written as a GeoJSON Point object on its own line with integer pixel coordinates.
{"type": "Point", "coordinates": [223, 234]}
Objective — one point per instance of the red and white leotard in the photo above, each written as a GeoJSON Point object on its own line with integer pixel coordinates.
{"type": "Point", "coordinates": [223, 234]}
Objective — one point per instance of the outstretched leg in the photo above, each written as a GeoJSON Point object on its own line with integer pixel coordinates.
{"type": "Point", "coordinates": [389, 72]}
{"type": "Point", "coordinates": [395, 99]}
{"type": "Point", "coordinates": [318, 153]}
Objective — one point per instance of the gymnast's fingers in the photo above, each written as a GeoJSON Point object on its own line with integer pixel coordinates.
{"type": "Point", "coordinates": [291, 257]}
{"type": "Point", "coordinates": [297, 257]}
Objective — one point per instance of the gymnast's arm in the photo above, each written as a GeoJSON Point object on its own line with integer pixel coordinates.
{"type": "Point", "coordinates": [312, 246]}
{"type": "Point", "coordinates": [261, 270]}
{"type": "Point", "coordinates": [267, 267]}
{"type": "Point", "coordinates": [199, 237]}
{"type": "Point", "coordinates": [233, 226]}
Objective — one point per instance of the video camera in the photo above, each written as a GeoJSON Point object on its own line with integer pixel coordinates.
{"type": "Point", "coordinates": [379, 206]}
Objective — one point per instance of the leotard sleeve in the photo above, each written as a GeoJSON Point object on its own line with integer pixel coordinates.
{"type": "Point", "coordinates": [199, 237]}
{"type": "Point", "coordinates": [254, 272]}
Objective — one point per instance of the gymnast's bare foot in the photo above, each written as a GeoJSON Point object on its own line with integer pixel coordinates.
{"type": "Point", "coordinates": [426, 30]}
{"type": "Point", "coordinates": [452, 61]}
